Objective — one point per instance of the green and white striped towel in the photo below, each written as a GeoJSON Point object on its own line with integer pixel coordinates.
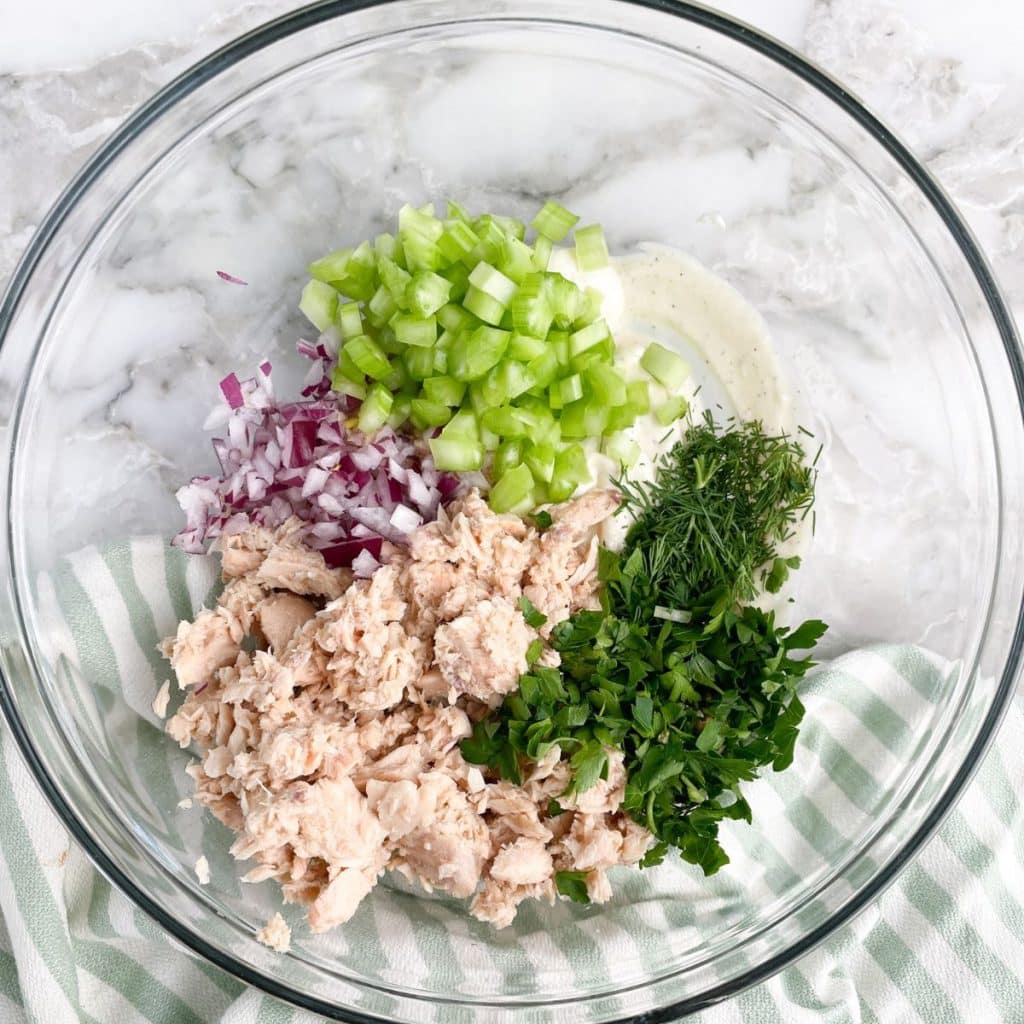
{"type": "Point", "coordinates": [943, 946]}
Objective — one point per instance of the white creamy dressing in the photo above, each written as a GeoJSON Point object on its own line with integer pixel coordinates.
{"type": "Point", "coordinates": [660, 294]}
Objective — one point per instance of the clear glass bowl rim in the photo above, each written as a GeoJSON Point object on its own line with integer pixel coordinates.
{"type": "Point", "coordinates": [306, 17]}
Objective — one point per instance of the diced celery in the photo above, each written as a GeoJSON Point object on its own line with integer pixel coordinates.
{"type": "Point", "coordinates": [376, 408]}
{"type": "Point", "coordinates": [420, 332]}
{"type": "Point", "coordinates": [488, 250]}
{"type": "Point", "coordinates": [386, 244]}
{"type": "Point", "coordinates": [541, 460]}
{"type": "Point", "coordinates": [399, 411]}
{"type": "Point", "coordinates": [319, 304]}
{"type": "Point", "coordinates": [492, 282]}
{"type": "Point", "coordinates": [426, 293]}
{"type": "Point", "coordinates": [583, 418]}
{"type": "Point", "coordinates": [458, 212]}
{"type": "Point", "coordinates": [554, 221]}
{"type": "Point", "coordinates": [489, 439]}
{"type": "Point", "coordinates": [622, 449]}
{"type": "Point", "coordinates": [478, 396]}
{"type": "Point", "coordinates": [538, 418]}
{"type": "Point", "coordinates": [346, 386]}
{"type": "Point", "coordinates": [395, 279]}
{"type": "Point", "coordinates": [419, 362]}
{"type": "Point", "coordinates": [638, 396]}
{"type": "Point", "coordinates": [516, 260]}
{"type": "Point", "coordinates": [506, 422]}
{"type": "Point", "coordinates": [555, 395]}
{"type": "Point", "coordinates": [513, 490]}
{"type": "Point", "coordinates": [514, 378]}
{"type": "Point", "coordinates": [524, 348]}
{"type": "Point", "coordinates": [440, 358]}
{"type": "Point", "coordinates": [532, 312]}
{"type": "Point", "coordinates": [457, 240]}
{"type": "Point", "coordinates": [462, 425]}
{"type": "Point", "coordinates": [511, 226]}
{"type": "Point", "coordinates": [349, 369]}
{"type": "Point", "coordinates": [570, 389]}
{"type": "Point", "coordinates": [542, 250]}
{"type": "Point", "coordinates": [398, 378]}
{"type": "Point", "coordinates": [453, 318]}
{"type": "Point", "coordinates": [350, 322]}
{"type": "Point", "coordinates": [368, 356]}
{"type": "Point", "coordinates": [381, 307]}
{"type": "Point", "coordinates": [559, 342]}
{"type": "Point", "coordinates": [619, 418]}
{"type": "Point", "coordinates": [473, 353]}
{"type": "Point", "coordinates": [388, 342]}
{"type": "Point", "coordinates": [606, 384]}
{"type": "Point", "coordinates": [587, 337]}
{"type": "Point", "coordinates": [570, 470]}
{"type": "Point", "coordinates": [426, 414]}
{"type": "Point", "coordinates": [668, 412]}
{"type": "Point", "coordinates": [458, 277]}
{"type": "Point", "coordinates": [360, 280]}
{"type": "Point", "coordinates": [507, 455]}
{"type": "Point", "coordinates": [664, 366]}
{"type": "Point", "coordinates": [456, 454]}
{"type": "Point", "coordinates": [565, 299]}
{"type": "Point", "coordinates": [417, 222]}
{"type": "Point", "coordinates": [591, 248]}
{"type": "Point", "coordinates": [542, 369]}
{"type": "Point", "coordinates": [484, 306]}
{"type": "Point", "coordinates": [332, 267]}
{"type": "Point", "coordinates": [446, 390]}
{"type": "Point", "coordinates": [588, 308]}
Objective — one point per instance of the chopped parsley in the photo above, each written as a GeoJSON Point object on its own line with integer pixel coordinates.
{"type": "Point", "coordinates": [693, 684]}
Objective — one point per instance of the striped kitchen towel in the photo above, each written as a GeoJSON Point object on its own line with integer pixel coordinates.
{"type": "Point", "coordinates": [943, 945]}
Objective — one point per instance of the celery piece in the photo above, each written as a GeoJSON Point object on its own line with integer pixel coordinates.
{"type": "Point", "coordinates": [514, 378]}
{"type": "Point", "coordinates": [507, 455]}
{"type": "Point", "coordinates": [591, 248]}
{"type": "Point", "coordinates": [446, 390]}
{"type": "Point", "coordinates": [350, 322]}
{"type": "Point", "coordinates": [419, 362]}
{"type": "Point", "coordinates": [458, 212]}
{"type": "Point", "coordinates": [624, 450]}
{"type": "Point", "coordinates": [524, 347]}
{"type": "Point", "coordinates": [542, 369]}
{"type": "Point", "coordinates": [399, 411]}
{"type": "Point", "coordinates": [542, 249]}
{"type": "Point", "coordinates": [559, 342]}
{"type": "Point", "coordinates": [413, 221]}
{"type": "Point", "coordinates": [505, 421]}
{"type": "Point", "coordinates": [588, 309]}
{"type": "Point", "coordinates": [319, 304]}
{"type": "Point", "coordinates": [638, 396]}
{"type": "Point", "coordinates": [555, 395]}
{"type": "Point", "coordinates": [512, 490]}
{"type": "Point", "coordinates": [484, 306]}
{"type": "Point", "coordinates": [587, 337]}
{"type": "Point", "coordinates": [570, 389]}
{"type": "Point", "coordinates": [511, 226]}
{"type": "Point", "coordinates": [349, 369]}
{"type": "Point", "coordinates": [332, 267]}
{"type": "Point", "coordinates": [456, 454]}
{"type": "Point", "coordinates": [386, 245]}
{"type": "Point", "coordinates": [541, 460]}
{"type": "Point", "coordinates": [427, 414]}
{"type": "Point", "coordinates": [454, 318]}
{"type": "Point", "coordinates": [381, 307]}
{"type": "Point", "coordinates": [570, 470]}
{"type": "Point", "coordinates": [395, 279]}
{"type": "Point", "coordinates": [426, 293]}
{"type": "Point", "coordinates": [417, 331]}
{"type": "Point", "coordinates": [366, 354]}
{"type": "Point", "coordinates": [665, 366]}
{"type": "Point", "coordinates": [478, 396]}
{"type": "Point", "coordinates": [473, 353]}
{"type": "Point", "coordinates": [492, 237]}
{"type": "Point", "coordinates": [492, 282]}
{"type": "Point", "coordinates": [554, 221]}
{"type": "Point", "coordinates": [346, 386]}
{"type": "Point", "coordinates": [516, 260]}
{"type": "Point", "coordinates": [457, 240]}
{"type": "Point", "coordinates": [583, 418]}
{"type": "Point", "coordinates": [440, 358]}
{"type": "Point", "coordinates": [376, 408]}
{"type": "Point", "coordinates": [619, 418]}
{"type": "Point", "coordinates": [565, 299]}
{"type": "Point", "coordinates": [532, 312]}
{"type": "Point", "coordinates": [360, 280]}
{"type": "Point", "coordinates": [462, 425]}
{"type": "Point", "coordinates": [458, 277]}
{"type": "Point", "coordinates": [607, 385]}
{"type": "Point", "coordinates": [668, 412]}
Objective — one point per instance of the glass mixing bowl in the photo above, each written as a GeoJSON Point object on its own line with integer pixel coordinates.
{"type": "Point", "coordinates": [666, 123]}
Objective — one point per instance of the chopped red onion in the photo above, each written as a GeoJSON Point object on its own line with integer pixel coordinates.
{"type": "Point", "coordinates": [284, 459]}
{"type": "Point", "coordinates": [230, 278]}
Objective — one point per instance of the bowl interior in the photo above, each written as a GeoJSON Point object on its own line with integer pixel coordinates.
{"type": "Point", "coordinates": [663, 131]}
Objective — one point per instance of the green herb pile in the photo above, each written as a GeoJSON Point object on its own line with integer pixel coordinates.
{"type": "Point", "coordinates": [694, 684]}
